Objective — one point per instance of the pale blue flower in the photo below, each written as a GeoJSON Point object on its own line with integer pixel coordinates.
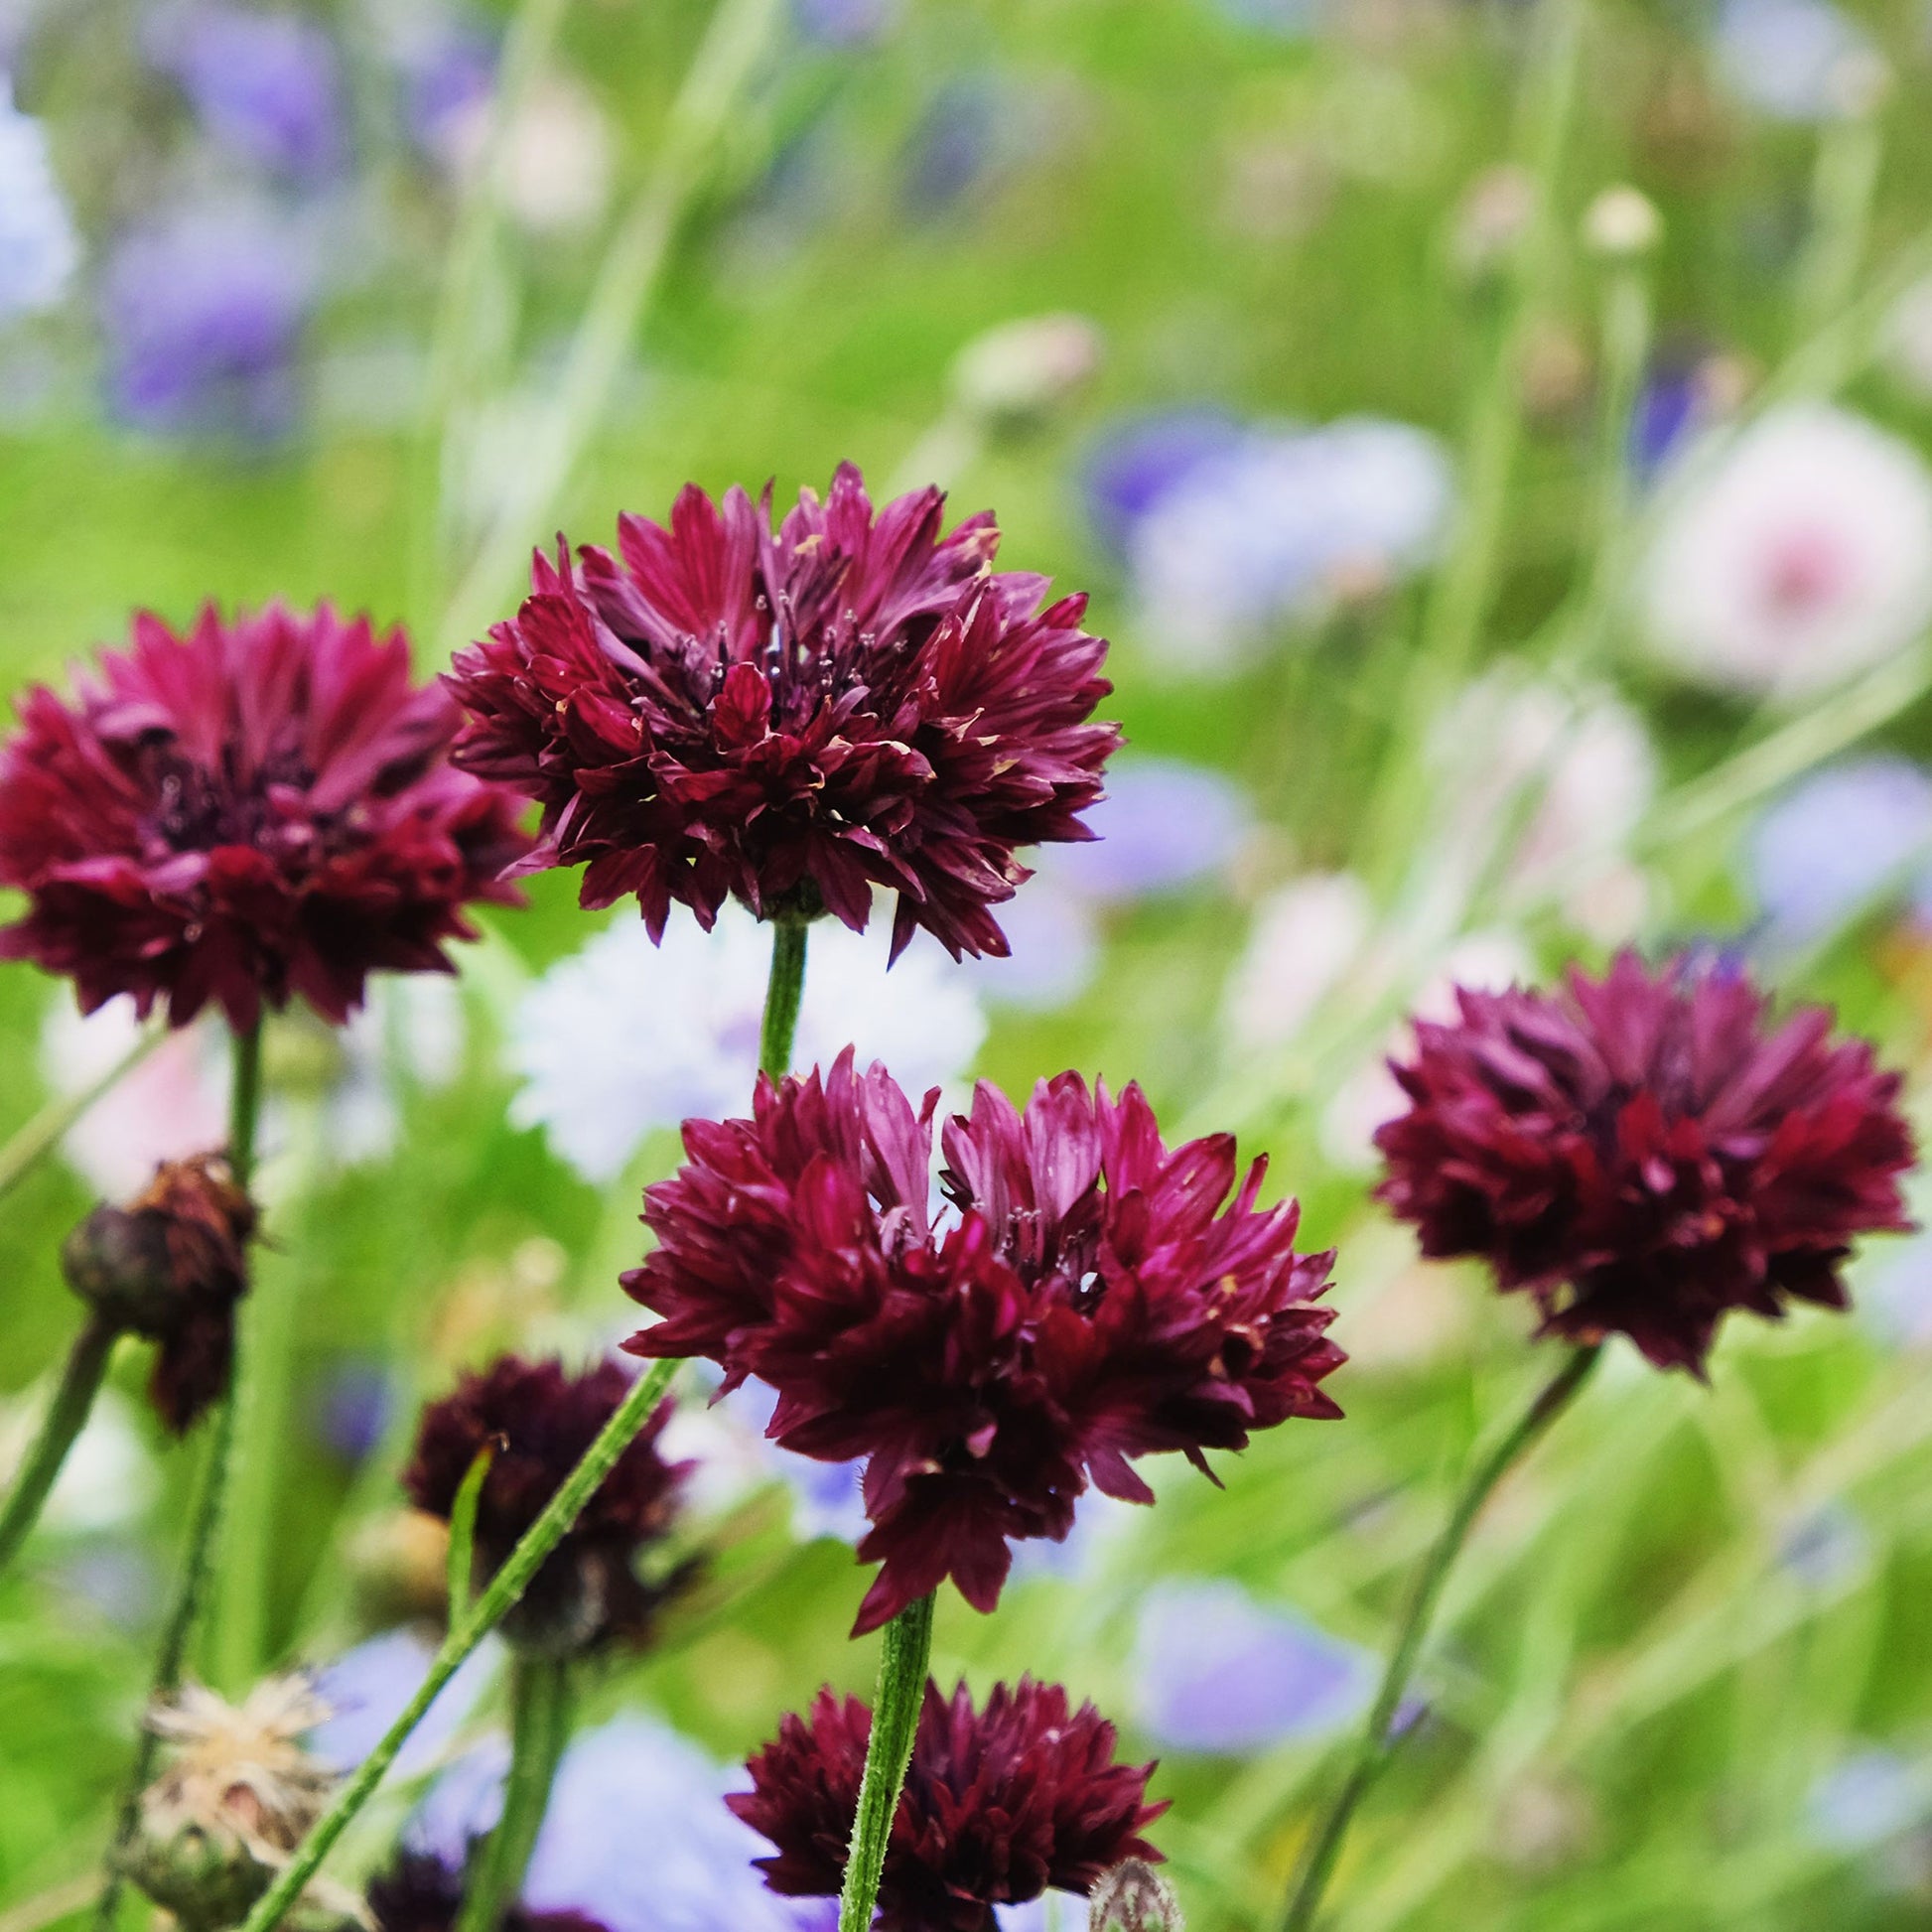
{"type": "Point", "coordinates": [39, 249]}
{"type": "Point", "coordinates": [1874, 1795]}
{"type": "Point", "coordinates": [1839, 841]}
{"type": "Point", "coordinates": [1789, 59]}
{"type": "Point", "coordinates": [1162, 825]}
{"type": "Point", "coordinates": [367, 1689]}
{"type": "Point", "coordinates": [1217, 1671]}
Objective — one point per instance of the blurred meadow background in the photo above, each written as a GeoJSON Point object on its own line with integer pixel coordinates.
{"type": "Point", "coordinates": [1500, 570]}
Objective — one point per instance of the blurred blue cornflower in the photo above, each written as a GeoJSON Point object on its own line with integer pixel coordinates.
{"type": "Point", "coordinates": [1837, 842]}
{"type": "Point", "coordinates": [366, 1690]}
{"type": "Point", "coordinates": [356, 1402]}
{"type": "Point", "coordinates": [1164, 825]}
{"type": "Point", "coordinates": [267, 87]}
{"type": "Point", "coordinates": [954, 144]}
{"type": "Point", "coordinates": [844, 23]}
{"type": "Point", "coordinates": [39, 248]}
{"type": "Point", "coordinates": [1874, 1795]}
{"type": "Point", "coordinates": [1278, 530]}
{"type": "Point", "coordinates": [204, 310]}
{"type": "Point", "coordinates": [1139, 461]}
{"type": "Point", "coordinates": [1290, 18]}
{"type": "Point", "coordinates": [1793, 60]}
{"type": "Point", "coordinates": [1217, 1671]}
{"type": "Point", "coordinates": [445, 62]}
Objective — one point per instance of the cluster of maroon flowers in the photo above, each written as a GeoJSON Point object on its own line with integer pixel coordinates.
{"type": "Point", "coordinates": [1093, 1301]}
{"type": "Point", "coordinates": [799, 716]}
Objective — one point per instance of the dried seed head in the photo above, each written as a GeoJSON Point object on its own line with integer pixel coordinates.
{"type": "Point", "coordinates": [1133, 1897]}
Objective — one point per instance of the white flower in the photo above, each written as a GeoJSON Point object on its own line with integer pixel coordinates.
{"type": "Point", "coordinates": [557, 161]}
{"type": "Point", "coordinates": [108, 1476]}
{"type": "Point", "coordinates": [1281, 528]}
{"type": "Point", "coordinates": [1803, 557]}
{"type": "Point", "coordinates": [39, 249]}
{"type": "Point", "coordinates": [625, 1037]}
{"type": "Point", "coordinates": [1305, 937]}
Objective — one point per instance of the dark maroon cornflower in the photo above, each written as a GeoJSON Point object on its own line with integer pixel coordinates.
{"type": "Point", "coordinates": [256, 811]}
{"type": "Point", "coordinates": [538, 1420]}
{"type": "Point", "coordinates": [1646, 1151]}
{"type": "Point", "coordinates": [1090, 1302]}
{"type": "Point", "coordinates": [1000, 1805]}
{"type": "Point", "coordinates": [170, 1267]}
{"type": "Point", "coordinates": [422, 1893]}
{"type": "Point", "coordinates": [794, 717]}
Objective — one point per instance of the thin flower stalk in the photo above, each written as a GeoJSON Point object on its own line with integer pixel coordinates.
{"type": "Point", "coordinates": [906, 1650]}
{"type": "Point", "coordinates": [540, 1711]}
{"type": "Point", "coordinates": [1379, 1739]}
{"type": "Point", "coordinates": [67, 1416]}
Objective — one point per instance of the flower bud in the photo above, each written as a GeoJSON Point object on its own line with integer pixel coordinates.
{"type": "Point", "coordinates": [1622, 224]}
{"type": "Point", "coordinates": [1133, 1897]}
{"type": "Point", "coordinates": [170, 1267]}
{"type": "Point", "coordinates": [1014, 376]}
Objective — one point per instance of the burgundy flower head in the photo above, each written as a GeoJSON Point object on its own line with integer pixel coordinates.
{"type": "Point", "coordinates": [422, 1893]}
{"type": "Point", "coordinates": [256, 811]}
{"type": "Point", "coordinates": [538, 1420]}
{"type": "Point", "coordinates": [170, 1267]}
{"type": "Point", "coordinates": [1646, 1151]}
{"type": "Point", "coordinates": [1000, 1805]}
{"type": "Point", "coordinates": [793, 718]}
{"type": "Point", "coordinates": [1091, 1300]}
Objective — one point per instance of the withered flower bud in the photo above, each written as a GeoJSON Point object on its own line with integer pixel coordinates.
{"type": "Point", "coordinates": [170, 1267]}
{"type": "Point", "coordinates": [1133, 1897]}
{"type": "Point", "coordinates": [236, 1796]}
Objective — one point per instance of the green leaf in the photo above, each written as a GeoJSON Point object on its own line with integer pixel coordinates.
{"type": "Point", "coordinates": [463, 1534]}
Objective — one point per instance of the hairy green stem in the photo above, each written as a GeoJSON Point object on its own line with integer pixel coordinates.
{"type": "Point", "coordinates": [539, 1730]}
{"type": "Point", "coordinates": [1372, 1752]}
{"type": "Point", "coordinates": [489, 1610]}
{"type": "Point", "coordinates": [889, 1750]}
{"type": "Point", "coordinates": [210, 1503]}
{"type": "Point", "coordinates": [67, 1416]}
{"type": "Point", "coordinates": [783, 993]}
{"type": "Point", "coordinates": [33, 1141]}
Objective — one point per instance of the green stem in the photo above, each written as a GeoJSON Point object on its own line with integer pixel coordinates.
{"type": "Point", "coordinates": [205, 1528]}
{"type": "Point", "coordinates": [1373, 1751]}
{"type": "Point", "coordinates": [1850, 149]}
{"type": "Point", "coordinates": [783, 993]}
{"type": "Point", "coordinates": [539, 1731]}
{"type": "Point", "coordinates": [30, 1144]}
{"type": "Point", "coordinates": [67, 1416]}
{"type": "Point", "coordinates": [894, 1720]}
{"type": "Point", "coordinates": [489, 1610]}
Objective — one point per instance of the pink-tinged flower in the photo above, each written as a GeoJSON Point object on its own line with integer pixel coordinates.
{"type": "Point", "coordinates": [1089, 1299]}
{"type": "Point", "coordinates": [257, 810]}
{"type": "Point", "coordinates": [537, 1420]}
{"type": "Point", "coordinates": [791, 718]}
{"type": "Point", "coordinates": [1001, 1804]}
{"type": "Point", "coordinates": [1646, 1151]}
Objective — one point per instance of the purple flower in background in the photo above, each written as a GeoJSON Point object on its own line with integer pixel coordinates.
{"type": "Point", "coordinates": [265, 86]}
{"type": "Point", "coordinates": [366, 1690]}
{"type": "Point", "coordinates": [844, 23]}
{"type": "Point", "coordinates": [1162, 825]}
{"type": "Point", "coordinates": [636, 1835]}
{"type": "Point", "coordinates": [1215, 1672]}
{"type": "Point", "coordinates": [954, 145]}
{"type": "Point", "coordinates": [1824, 1548]}
{"type": "Point", "coordinates": [1134, 465]}
{"type": "Point", "coordinates": [1793, 60]}
{"type": "Point", "coordinates": [354, 1407]}
{"type": "Point", "coordinates": [1837, 842]}
{"type": "Point", "coordinates": [1290, 18]}
{"type": "Point", "coordinates": [444, 60]}
{"type": "Point", "coordinates": [1671, 407]}
{"type": "Point", "coordinates": [203, 314]}
{"type": "Point", "coordinates": [1894, 1296]}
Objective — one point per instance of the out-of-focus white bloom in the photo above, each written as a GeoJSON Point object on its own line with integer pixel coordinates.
{"type": "Point", "coordinates": [174, 1104]}
{"type": "Point", "coordinates": [1794, 59]}
{"type": "Point", "coordinates": [1622, 223]}
{"type": "Point", "coordinates": [557, 161]}
{"type": "Point", "coordinates": [1546, 787]}
{"type": "Point", "coordinates": [1014, 376]}
{"type": "Point", "coordinates": [1905, 340]}
{"type": "Point", "coordinates": [410, 1028]}
{"type": "Point", "coordinates": [1305, 937]}
{"type": "Point", "coordinates": [107, 1478]}
{"type": "Point", "coordinates": [1485, 962]}
{"type": "Point", "coordinates": [625, 1037]}
{"type": "Point", "coordinates": [39, 249]}
{"type": "Point", "coordinates": [1803, 557]}
{"type": "Point", "coordinates": [1278, 530]}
